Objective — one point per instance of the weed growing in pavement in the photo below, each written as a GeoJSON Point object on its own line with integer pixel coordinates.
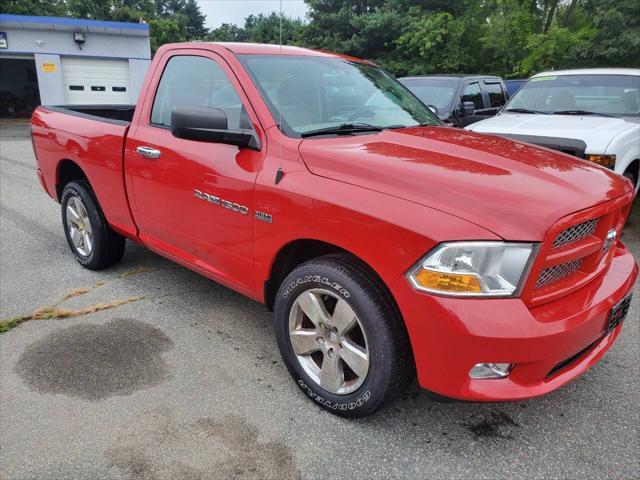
{"type": "Point", "coordinates": [52, 311]}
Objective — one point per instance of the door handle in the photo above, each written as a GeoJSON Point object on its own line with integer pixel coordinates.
{"type": "Point", "coordinates": [148, 152]}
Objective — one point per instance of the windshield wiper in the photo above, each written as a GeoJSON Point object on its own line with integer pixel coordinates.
{"type": "Point", "coordinates": [526, 110]}
{"type": "Point", "coordinates": [343, 129]}
{"type": "Point", "coordinates": [582, 112]}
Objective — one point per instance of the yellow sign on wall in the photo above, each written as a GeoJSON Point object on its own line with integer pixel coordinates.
{"type": "Point", "coordinates": [49, 67]}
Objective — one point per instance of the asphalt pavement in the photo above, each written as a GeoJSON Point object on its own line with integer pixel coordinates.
{"type": "Point", "coordinates": [163, 374]}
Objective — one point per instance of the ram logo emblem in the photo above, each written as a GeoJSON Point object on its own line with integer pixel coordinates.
{"type": "Point", "coordinates": [609, 240]}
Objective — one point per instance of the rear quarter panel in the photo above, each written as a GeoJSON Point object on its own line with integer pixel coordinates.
{"type": "Point", "coordinates": [96, 147]}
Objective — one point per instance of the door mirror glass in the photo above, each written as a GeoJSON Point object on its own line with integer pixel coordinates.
{"type": "Point", "coordinates": [207, 124]}
{"type": "Point", "coordinates": [434, 109]}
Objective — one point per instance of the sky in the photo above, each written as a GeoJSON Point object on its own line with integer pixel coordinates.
{"type": "Point", "coordinates": [234, 11]}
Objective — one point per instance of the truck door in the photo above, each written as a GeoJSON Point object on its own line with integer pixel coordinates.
{"type": "Point", "coordinates": [173, 183]}
{"type": "Point", "coordinates": [496, 97]}
{"type": "Point", "coordinates": [472, 93]}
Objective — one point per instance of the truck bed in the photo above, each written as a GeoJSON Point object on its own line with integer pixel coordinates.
{"type": "Point", "coordinates": [93, 138]}
{"type": "Point", "coordinates": [119, 113]}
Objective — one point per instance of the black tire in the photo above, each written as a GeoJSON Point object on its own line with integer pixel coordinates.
{"type": "Point", "coordinates": [108, 246]}
{"type": "Point", "coordinates": [389, 352]}
{"type": "Point", "coordinates": [629, 174]}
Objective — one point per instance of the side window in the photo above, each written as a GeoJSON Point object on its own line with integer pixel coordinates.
{"type": "Point", "coordinates": [496, 94]}
{"type": "Point", "coordinates": [191, 81]}
{"type": "Point", "coordinates": [472, 93]}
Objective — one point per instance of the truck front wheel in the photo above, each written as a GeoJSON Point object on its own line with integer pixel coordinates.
{"type": "Point", "coordinates": [340, 336]}
{"type": "Point", "coordinates": [633, 172]}
{"type": "Point", "coordinates": [92, 241]}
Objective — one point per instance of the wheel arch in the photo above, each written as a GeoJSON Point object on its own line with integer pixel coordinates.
{"type": "Point", "coordinates": [68, 171]}
{"type": "Point", "coordinates": [301, 250]}
{"type": "Point", "coordinates": [634, 169]}
{"type": "Point", "coordinates": [289, 257]}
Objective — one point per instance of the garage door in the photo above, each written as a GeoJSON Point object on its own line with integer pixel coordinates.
{"type": "Point", "coordinates": [90, 80]}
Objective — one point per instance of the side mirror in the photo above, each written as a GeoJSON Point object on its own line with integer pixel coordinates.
{"type": "Point", "coordinates": [208, 124]}
{"type": "Point", "coordinates": [434, 109]}
{"type": "Point", "coordinates": [466, 108]}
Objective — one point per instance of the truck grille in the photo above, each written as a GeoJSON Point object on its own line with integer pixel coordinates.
{"type": "Point", "coordinates": [572, 253]}
{"type": "Point", "coordinates": [576, 233]}
{"type": "Point", "coordinates": [558, 272]}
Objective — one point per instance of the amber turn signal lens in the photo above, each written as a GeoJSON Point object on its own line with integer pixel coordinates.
{"type": "Point", "coordinates": [448, 282]}
{"type": "Point", "coordinates": [604, 160]}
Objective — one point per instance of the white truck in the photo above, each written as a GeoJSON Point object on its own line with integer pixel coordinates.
{"type": "Point", "coordinates": [590, 113]}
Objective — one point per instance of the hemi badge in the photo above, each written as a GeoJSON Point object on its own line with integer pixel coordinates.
{"type": "Point", "coordinates": [265, 217]}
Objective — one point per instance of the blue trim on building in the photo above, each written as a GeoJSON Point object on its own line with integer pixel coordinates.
{"type": "Point", "coordinates": [8, 53]}
{"type": "Point", "coordinates": [74, 22]}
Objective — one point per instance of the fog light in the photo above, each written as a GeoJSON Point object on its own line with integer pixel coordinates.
{"type": "Point", "coordinates": [490, 370]}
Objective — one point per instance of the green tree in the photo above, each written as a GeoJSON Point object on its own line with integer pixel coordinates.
{"type": "Point", "coordinates": [616, 39]}
{"type": "Point", "coordinates": [556, 49]}
{"type": "Point", "coordinates": [505, 35]}
{"type": "Point", "coordinates": [187, 13]}
{"type": "Point", "coordinates": [261, 29]}
{"type": "Point", "coordinates": [436, 39]}
{"type": "Point", "coordinates": [272, 28]}
{"type": "Point", "coordinates": [165, 30]}
{"type": "Point", "coordinates": [34, 7]}
{"type": "Point", "coordinates": [227, 32]}
{"type": "Point", "coordinates": [512, 38]}
{"type": "Point", "coordinates": [92, 9]}
{"type": "Point", "coordinates": [132, 10]}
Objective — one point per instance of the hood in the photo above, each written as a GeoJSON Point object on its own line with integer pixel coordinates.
{"type": "Point", "coordinates": [596, 132]}
{"type": "Point", "coordinates": [515, 190]}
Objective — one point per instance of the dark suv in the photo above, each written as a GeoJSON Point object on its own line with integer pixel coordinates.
{"type": "Point", "coordinates": [459, 100]}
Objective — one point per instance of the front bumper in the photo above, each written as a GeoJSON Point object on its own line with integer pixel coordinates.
{"type": "Point", "coordinates": [450, 335]}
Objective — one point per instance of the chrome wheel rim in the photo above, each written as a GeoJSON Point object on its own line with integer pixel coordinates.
{"type": "Point", "coordinates": [329, 341]}
{"type": "Point", "coordinates": [79, 226]}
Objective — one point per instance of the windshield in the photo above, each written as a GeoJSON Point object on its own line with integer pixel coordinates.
{"type": "Point", "coordinates": [600, 94]}
{"type": "Point", "coordinates": [436, 92]}
{"type": "Point", "coordinates": [306, 94]}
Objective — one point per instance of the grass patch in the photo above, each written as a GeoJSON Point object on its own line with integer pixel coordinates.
{"type": "Point", "coordinates": [46, 313]}
{"type": "Point", "coordinates": [9, 323]}
{"type": "Point", "coordinates": [75, 293]}
{"type": "Point", "coordinates": [52, 311]}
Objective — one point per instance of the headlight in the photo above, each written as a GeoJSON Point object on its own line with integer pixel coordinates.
{"type": "Point", "coordinates": [474, 268]}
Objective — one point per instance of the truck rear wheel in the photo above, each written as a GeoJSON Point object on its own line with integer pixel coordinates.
{"type": "Point", "coordinates": [340, 336]}
{"type": "Point", "coordinates": [92, 241]}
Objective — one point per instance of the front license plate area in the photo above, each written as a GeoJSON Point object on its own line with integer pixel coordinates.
{"type": "Point", "coordinates": [618, 313]}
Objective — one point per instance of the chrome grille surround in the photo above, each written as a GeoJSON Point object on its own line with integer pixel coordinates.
{"type": "Point", "coordinates": [558, 272]}
{"type": "Point", "coordinates": [576, 233]}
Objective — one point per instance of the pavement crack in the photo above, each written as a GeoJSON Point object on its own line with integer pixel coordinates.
{"type": "Point", "coordinates": [49, 312]}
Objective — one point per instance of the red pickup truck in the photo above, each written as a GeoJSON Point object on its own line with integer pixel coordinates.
{"type": "Point", "coordinates": [386, 243]}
